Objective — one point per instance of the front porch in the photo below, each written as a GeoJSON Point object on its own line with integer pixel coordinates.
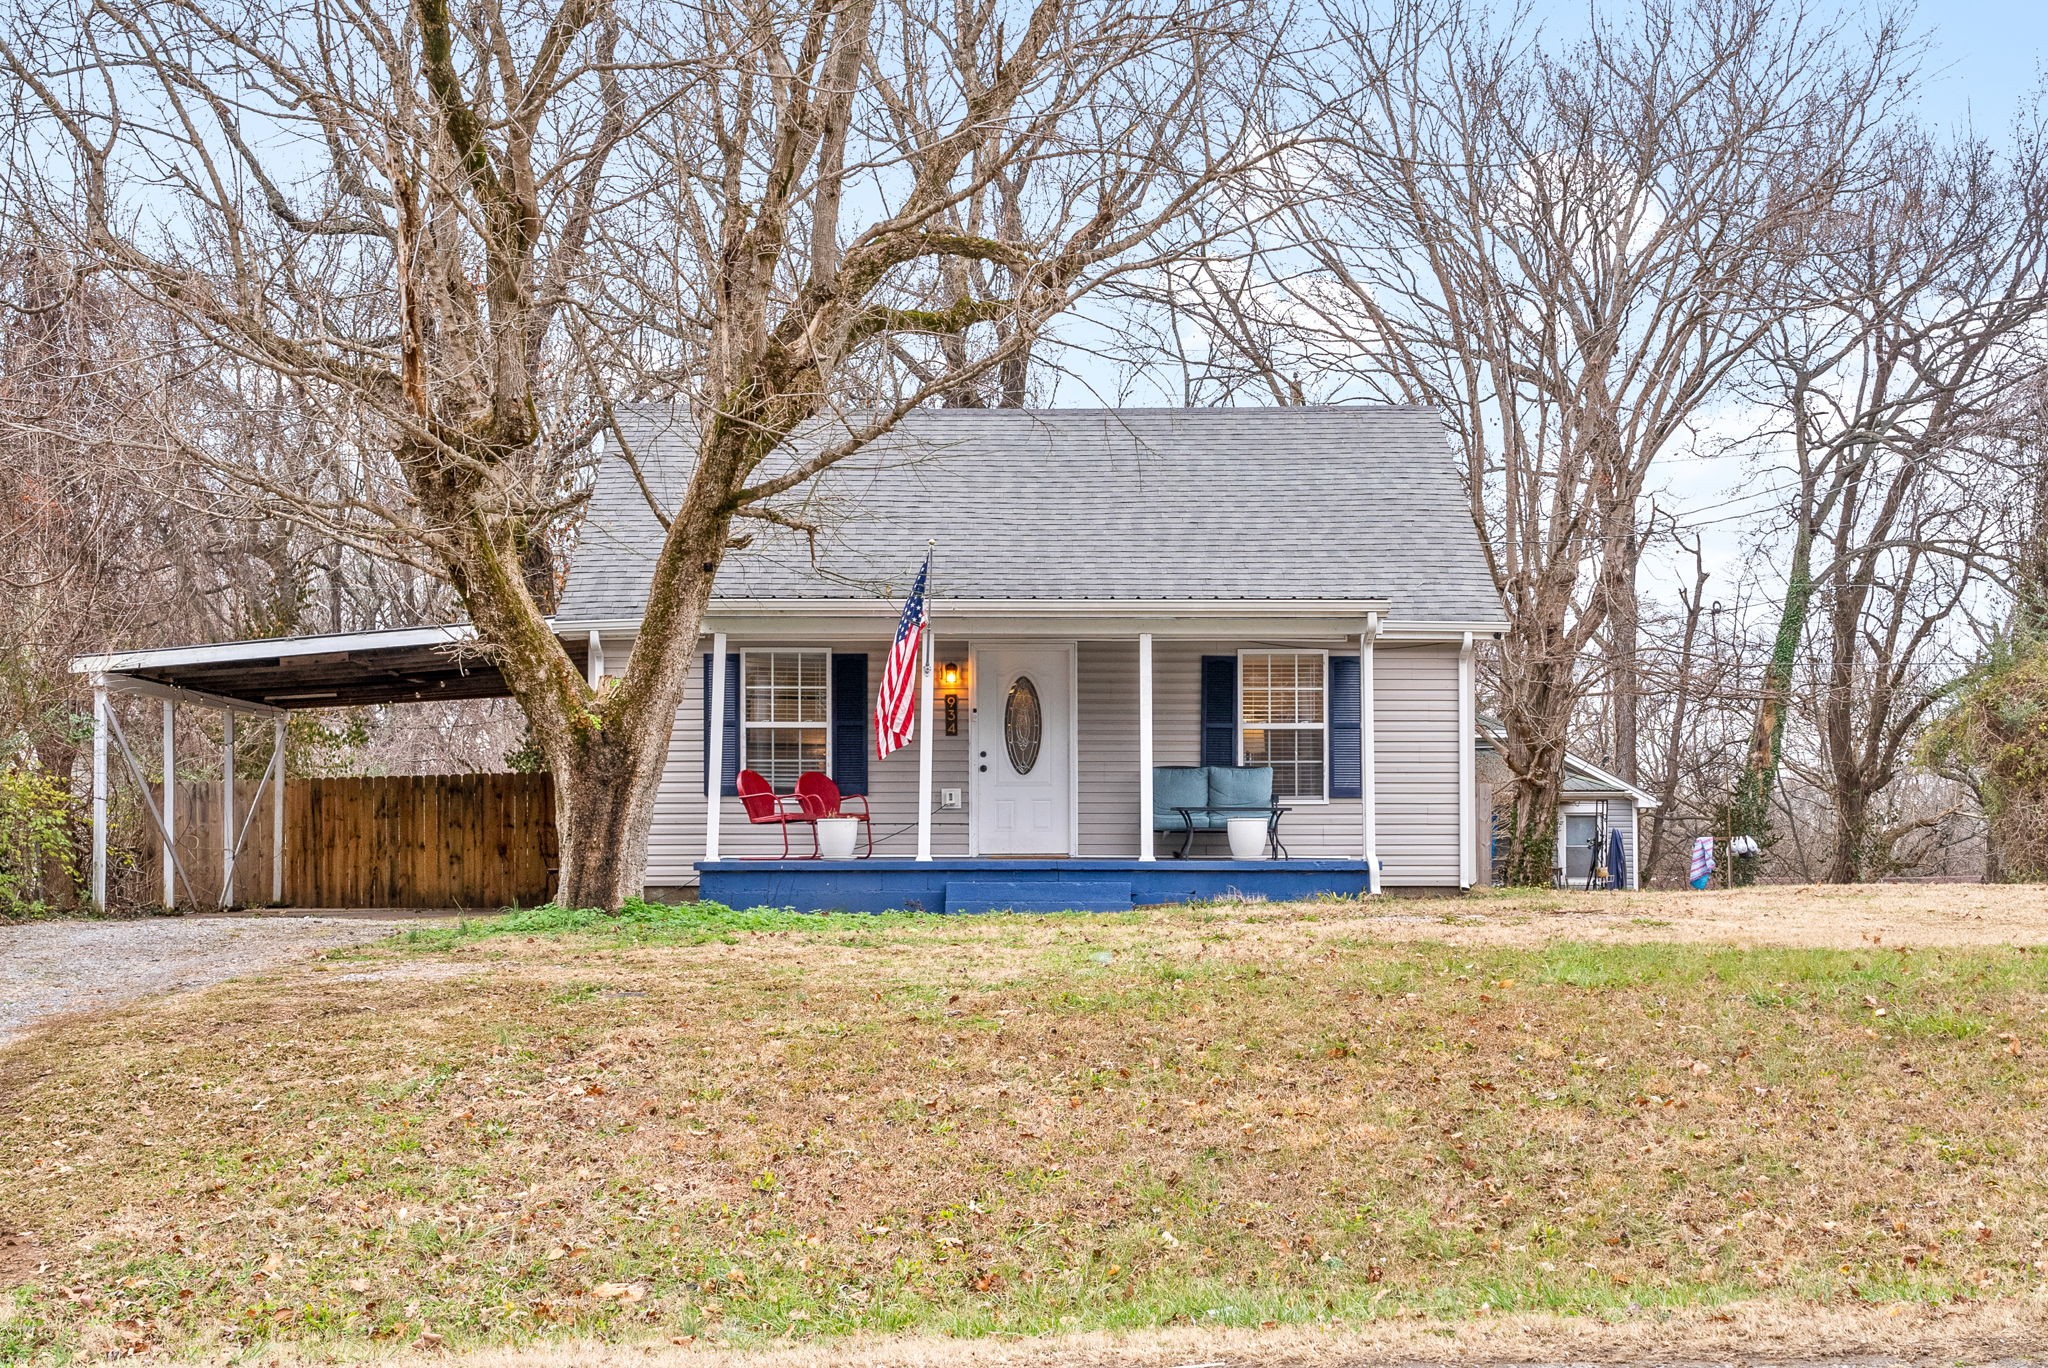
{"type": "Point", "coordinates": [998, 885]}
{"type": "Point", "coordinates": [1069, 733]}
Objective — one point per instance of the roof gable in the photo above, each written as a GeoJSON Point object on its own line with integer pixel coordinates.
{"type": "Point", "coordinates": [1338, 503]}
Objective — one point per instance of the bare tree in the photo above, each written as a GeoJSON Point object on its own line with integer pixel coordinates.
{"type": "Point", "coordinates": [1560, 247]}
{"type": "Point", "coordinates": [1911, 324]}
{"type": "Point", "coordinates": [461, 230]}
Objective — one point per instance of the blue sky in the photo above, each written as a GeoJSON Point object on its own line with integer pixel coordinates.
{"type": "Point", "coordinates": [1983, 56]}
{"type": "Point", "coordinates": [1986, 58]}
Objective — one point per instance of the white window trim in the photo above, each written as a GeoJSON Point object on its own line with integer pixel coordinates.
{"type": "Point", "coordinates": [1324, 655]}
{"type": "Point", "coordinates": [746, 727]}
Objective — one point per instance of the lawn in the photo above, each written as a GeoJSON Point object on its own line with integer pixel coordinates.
{"type": "Point", "coordinates": [736, 1128]}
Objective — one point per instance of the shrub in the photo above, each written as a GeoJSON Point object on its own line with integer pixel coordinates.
{"type": "Point", "coordinates": [1995, 738]}
{"type": "Point", "coordinates": [38, 862]}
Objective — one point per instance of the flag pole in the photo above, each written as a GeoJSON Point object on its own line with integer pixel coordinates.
{"type": "Point", "coordinates": [924, 719]}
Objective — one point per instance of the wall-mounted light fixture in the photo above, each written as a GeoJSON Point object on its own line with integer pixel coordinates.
{"type": "Point", "coordinates": [949, 678]}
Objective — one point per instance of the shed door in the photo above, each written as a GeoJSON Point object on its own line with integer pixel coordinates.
{"type": "Point", "coordinates": [1581, 839]}
{"type": "Point", "coordinates": [1023, 750]}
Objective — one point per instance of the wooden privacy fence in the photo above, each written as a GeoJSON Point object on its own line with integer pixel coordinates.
{"type": "Point", "coordinates": [480, 841]}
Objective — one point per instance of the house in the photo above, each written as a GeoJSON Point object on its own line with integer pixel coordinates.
{"type": "Point", "coordinates": [1123, 603]}
{"type": "Point", "coordinates": [1293, 588]}
{"type": "Point", "coordinates": [1592, 804]}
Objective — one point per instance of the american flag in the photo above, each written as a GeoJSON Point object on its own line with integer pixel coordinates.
{"type": "Point", "coordinates": [896, 704]}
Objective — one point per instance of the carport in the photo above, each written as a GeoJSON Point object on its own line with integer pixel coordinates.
{"type": "Point", "coordinates": [261, 683]}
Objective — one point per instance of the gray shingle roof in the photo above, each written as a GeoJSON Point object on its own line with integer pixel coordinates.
{"type": "Point", "coordinates": [1274, 503]}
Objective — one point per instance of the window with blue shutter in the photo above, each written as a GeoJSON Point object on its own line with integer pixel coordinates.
{"type": "Point", "coordinates": [1219, 710]}
{"type": "Point", "coordinates": [850, 722]}
{"type": "Point", "coordinates": [1347, 752]}
{"type": "Point", "coordinates": [731, 748]}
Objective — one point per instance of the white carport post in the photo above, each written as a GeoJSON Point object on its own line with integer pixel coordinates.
{"type": "Point", "coordinates": [1145, 837]}
{"type": "Point", "coordinates": [714, 748]}
{"type": "Point", "coordinates": [277, 812]}
{"type": "Point", "coordinates": [1368, 760]}
{"type": "Point", "coordinates": [593, 664]}
{"type": "Point", "coordinates": [99, 793]}
{"type": "Point", "coordinates": [227, 807]}
{"type": "Point", "coordinates": [170, 804]}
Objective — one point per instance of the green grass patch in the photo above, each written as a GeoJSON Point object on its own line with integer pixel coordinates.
{"type": "Point", "coordinates": [641, 922]}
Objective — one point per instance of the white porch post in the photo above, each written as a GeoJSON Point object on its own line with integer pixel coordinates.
{"type": "Point", "coordinates": [1368, 746]}
{"type": "Point", "coordinates": [1468, 816]}
{"type": "Point", "coordinates": [170, 804]}
{"type": "Point", "coordinates": [924, 754]}
{"type": "Point", "coordinates": [99, 794]}
{"type": "Point", "coordinates": [714, 775]}
{"type": "Point", "coordinates": [593, 664]}
{"type": "Point", "coordinates": [1145, 851]}
{"type": "Point", "coordinates": [277, 813]}
{"type": "Point", "coordinates": [227, 807]}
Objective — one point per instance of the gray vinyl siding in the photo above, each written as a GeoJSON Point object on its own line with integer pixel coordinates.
{"type": "Point", "coordinates": [1417, 751]}
{"type": "Point", "coordinates": [1416, 706]}
{"type": "Point", "coordinates": [1107, 715]}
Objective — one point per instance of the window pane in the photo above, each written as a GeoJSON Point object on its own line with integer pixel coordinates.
{"type": "Point", "coordinates": [1255, 747]}
{"type": "Point", "coordinates": [1284, 718]}
{"type": "Point", "coordinates": [782, 754]}
{"type": "Point", "coordinates": [1297, 761]}
{"type": "Point", "coordinates": [786, 686]}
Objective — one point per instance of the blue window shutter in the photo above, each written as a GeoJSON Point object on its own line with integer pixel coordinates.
{"type": "Point", "coordinates": [1347, 778]}
{"type": "Point", "coordinates": [732, 725]}
{"type": "Point", "coordinates": [1219, 710]}
{"type": "Point", "coordinates": [850, 722]}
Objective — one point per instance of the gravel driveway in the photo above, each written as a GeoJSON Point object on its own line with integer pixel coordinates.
{"type": "Point", "coordinates": [54, 967]}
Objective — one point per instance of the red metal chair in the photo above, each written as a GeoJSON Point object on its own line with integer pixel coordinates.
{"type": "Point", "coordinates": [821, 798]}
{"type": "Point", "coordinates": [766, 807]}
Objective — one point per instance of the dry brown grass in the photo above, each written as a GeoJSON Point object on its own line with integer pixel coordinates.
{"type": "Point", "coordinates": [1205, 1117]}
{"type": "Point", "coordinates": [1819, 916]}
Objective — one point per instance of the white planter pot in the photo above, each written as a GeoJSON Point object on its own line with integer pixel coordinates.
{"type": "Point", "coordinates": [1247, 838]}
{"type": "Point", "coordinates": [835, 837]}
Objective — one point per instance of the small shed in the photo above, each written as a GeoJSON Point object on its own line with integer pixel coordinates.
{"type": "Point", "coordinates": [1592, 804]}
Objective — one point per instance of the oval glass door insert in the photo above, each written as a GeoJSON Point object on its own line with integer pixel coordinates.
{"type": "Point", "coordinates": [1023, 724]}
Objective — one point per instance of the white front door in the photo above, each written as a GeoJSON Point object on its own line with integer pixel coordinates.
{"type": "Point", "coordinates": [1023, 750]}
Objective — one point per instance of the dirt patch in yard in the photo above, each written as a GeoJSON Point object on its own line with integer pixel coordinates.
{"type": "Point", "coordinates": [22, 1256]}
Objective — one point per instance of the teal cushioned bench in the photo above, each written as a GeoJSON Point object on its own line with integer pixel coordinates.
{"type": "Point", "coordinates": [1192, 798]}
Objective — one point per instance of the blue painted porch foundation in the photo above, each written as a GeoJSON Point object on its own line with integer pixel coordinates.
{"type": "Point", "coordinates": [961, 885]}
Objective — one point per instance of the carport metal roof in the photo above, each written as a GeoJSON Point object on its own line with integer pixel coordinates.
{"type": "Point", "coordinates": [397, 665]}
